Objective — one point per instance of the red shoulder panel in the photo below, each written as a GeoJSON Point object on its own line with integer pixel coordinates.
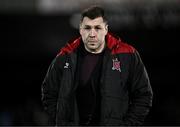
{"type": "Point", "coordinates": [70, 46]}
{"type": "Point", "coordinates": [117, 46]}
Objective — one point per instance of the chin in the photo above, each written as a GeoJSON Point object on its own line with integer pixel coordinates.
{"type": "Point", "coordinates": [92, 48]}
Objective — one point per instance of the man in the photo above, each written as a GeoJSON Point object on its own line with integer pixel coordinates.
{"type": "Point", "coordinates": [97, 79]}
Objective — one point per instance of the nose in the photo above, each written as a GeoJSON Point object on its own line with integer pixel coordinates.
{"type": "Point", "coordinates": [92, 33]}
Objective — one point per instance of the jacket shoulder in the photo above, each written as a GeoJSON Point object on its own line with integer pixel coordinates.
{"type": "Point", "coordinates": [123, 48]}
{"type": "Point", "coordinates": [117, 46]}
{"type": "Point", "coordinates": [70, 46]}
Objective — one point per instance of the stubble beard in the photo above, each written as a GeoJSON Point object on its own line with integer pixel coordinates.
{"type": "Point", "coordinates": [94, 48]}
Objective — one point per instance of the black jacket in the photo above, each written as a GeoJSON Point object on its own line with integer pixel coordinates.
{"type": "Point", "coordinates": [126, 94]}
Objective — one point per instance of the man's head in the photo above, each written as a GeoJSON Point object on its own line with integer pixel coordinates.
{"type": "Point", "coordinates": [93, 29]}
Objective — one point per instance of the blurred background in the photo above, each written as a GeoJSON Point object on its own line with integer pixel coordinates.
{"type": "Point", "coordinates": [33, 31]}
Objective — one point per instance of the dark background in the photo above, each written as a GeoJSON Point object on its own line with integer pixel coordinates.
{"type": "Point", "coordinates": [30, 40]}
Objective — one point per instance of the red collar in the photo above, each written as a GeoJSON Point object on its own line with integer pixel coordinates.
{"type": "Point", "coordinates": [113, 43]}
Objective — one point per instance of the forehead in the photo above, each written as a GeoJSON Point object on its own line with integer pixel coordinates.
{"type": "Point", "coordinates": [92, 22]}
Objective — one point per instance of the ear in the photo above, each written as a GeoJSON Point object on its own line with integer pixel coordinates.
{"type": "Point", "coordinates": [106, 28]}
{"type": "Point", "coordinates": [80, 29]}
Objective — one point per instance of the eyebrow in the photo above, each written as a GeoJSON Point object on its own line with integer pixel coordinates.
{"type": "Point", "coordinates": [92, 26]}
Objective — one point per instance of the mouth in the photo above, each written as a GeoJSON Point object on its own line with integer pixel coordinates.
{"type": "Point", "coordinates": [92, 41]}
{"type": "Point", "coordinates": [91, 44]}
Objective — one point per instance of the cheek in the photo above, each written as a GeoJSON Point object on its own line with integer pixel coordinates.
{"type": "Point", "coordinates": [102, 36]}
{"type": "Point", "coordinates": [84, 34]}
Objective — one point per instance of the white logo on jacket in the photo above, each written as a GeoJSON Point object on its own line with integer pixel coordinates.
{"type": "Point", "coordinates": [66, 65]}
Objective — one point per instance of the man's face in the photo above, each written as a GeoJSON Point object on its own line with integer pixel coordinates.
{"type": "Point", "coordinates": [93, 32]}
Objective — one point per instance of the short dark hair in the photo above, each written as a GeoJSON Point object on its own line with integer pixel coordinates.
{"type": "Point", "coordinates": [94, 12]}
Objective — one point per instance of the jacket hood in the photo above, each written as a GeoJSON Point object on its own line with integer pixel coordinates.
{"type": "Point", "coordinates": [114, 44]}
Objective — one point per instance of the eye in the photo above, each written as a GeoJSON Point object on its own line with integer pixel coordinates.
{"type": "Point", "coordinates": [87, 28]}
{"type": "Point", "coordinates": [98, 28]}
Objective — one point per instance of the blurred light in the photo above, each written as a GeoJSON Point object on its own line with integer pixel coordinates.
{"type": "Point", "coordinates": [17, 6]}
{"type": "Point", "coordinates": [122, 13]}
{"type": "Point", "coordinates": [75, 20]}
{"type": "Point", "coordinates": [56, 6]}
{"type": "Point", "coordinates": [69, 6]}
